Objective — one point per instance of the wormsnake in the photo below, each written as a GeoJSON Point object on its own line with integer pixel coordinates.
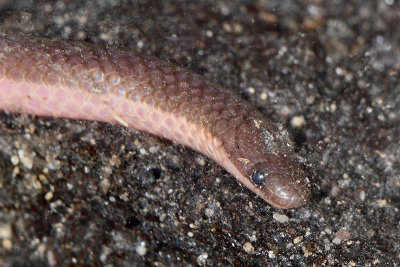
{"type": "Point", "coordinates": [58, 78]}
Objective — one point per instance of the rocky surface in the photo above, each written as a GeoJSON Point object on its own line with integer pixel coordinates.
{"type": "Point", "coordinates": [88, 193]}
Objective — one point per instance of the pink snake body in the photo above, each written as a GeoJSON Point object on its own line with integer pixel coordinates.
{"type": "Point", "coordinates": [58, 78]}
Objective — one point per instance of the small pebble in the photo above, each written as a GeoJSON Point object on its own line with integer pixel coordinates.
{"type": "Point", "coordinates": [263, 96]}
{"type": "Point", "coordinates": [104, 185]}
{"type": "Point", "coordinates": [209, 212]}
{"type": "Point", "coordinates": [248, 247]}
{"type": "Point", "coordinates": [341, 235]}
{"type": "Point", "coordinates": [362, 195]}
{"type": "Point", "coordinates": [153, 149]}
{"type": "Point", "coordinates": [141, 248]}
{"type": "Point", "coordinates": [5, 231]}
{"type": "Point", "coordinates": [280, 217]}
{"type": "Point", "coordinates": [201, 160]}
{"type": "Point", "coordinates": [297, 121]}
{"type": "Point", "coordinates": [251, 90]}
{"type": "Point", "coordinates": [271, 254]}
{"type": "Point", "coordinates": [7, 244]}
{"type": "Point", "coordinates": [51, 258]}
{"type": "Point", "coordinates": [201, 259]}
{"type": "Point", "coordinates": [381, 203]}
{"type": "Point", "coordinates": [48, 196]}
{"type": "Point", "coordinates": [297, 239]}
{"type": "Point", "coordinates": [43, 178]}
{"type": "Point", "coordinates": [26, 158]}
{"type": "Point", "coordinates": [15, 160]}
{"type": "Point", "coordinates": [143, 151]}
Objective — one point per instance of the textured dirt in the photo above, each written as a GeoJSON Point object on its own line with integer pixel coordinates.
{"type": "Point", "coordinates": [87, 193]}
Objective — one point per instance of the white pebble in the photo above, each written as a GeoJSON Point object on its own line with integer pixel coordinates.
{"type": "Point", "coordinates": [381, 203]}
{"type": "Point", "coordinates": [25, 158]}
{"type": "Point", "coordinates": [141, 248]}
{"type": "Point", "coordinates": [5, 231]}
{"type": "Point", "coordinates": [153, 149]}
{"type": "Point", "coordinates": [201, 259]}
{"type": "Point", "coordinates": [48, 196]}
{"type": "Point", "coordinates": [251, 90]}
{"type": "Point", "coordinates": [7, 244]}
{"type": "Point", "coordinates": [297, 239]}
{"type": "Point", "coordinates": [248, 247]}
{"type": "Point", "coordinates": [14, 160]}
{"type": "Point", "coordinates": [209, 212]}
{"type": "Point", "coordinates": [104, 185]}
{"type": "Point", "coordinates": [282, 218]}
{"type": "Point", "coordinates": [271, 254]}
{"type": "Point", "coordinates": [143, 151]}
{"type": "Point", "coordinates": [362, 195]}
{"type": "Point", "coordinates": [297, 121]}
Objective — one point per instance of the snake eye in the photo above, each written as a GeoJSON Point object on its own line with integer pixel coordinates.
{"type": "Point", "coordinates": [259, 177]}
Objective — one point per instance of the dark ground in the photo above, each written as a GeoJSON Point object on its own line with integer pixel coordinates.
{"type": "Point", "coordinates": [87, 193]}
